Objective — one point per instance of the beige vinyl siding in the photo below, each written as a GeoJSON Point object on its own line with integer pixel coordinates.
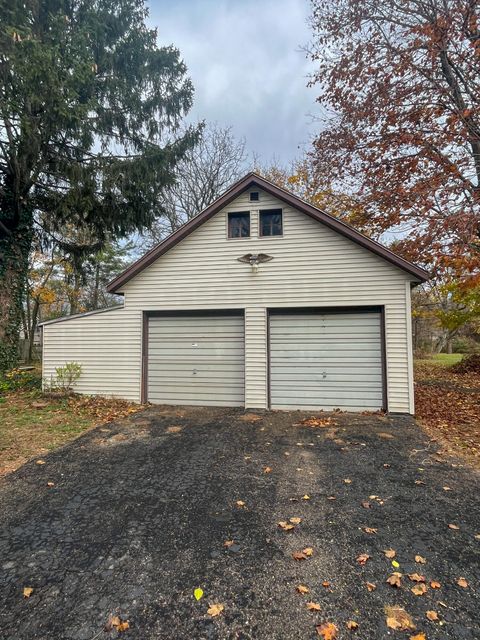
{"type": "Point", "coordinates": [313, 266]}
{"type": "Point", "coordinates": [106, 344]}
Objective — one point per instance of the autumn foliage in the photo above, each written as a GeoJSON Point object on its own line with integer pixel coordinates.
{"type": "Point", "coordinates": [399, 87]}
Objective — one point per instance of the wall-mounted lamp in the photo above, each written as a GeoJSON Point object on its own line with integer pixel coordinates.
{"type": "Point", "coordinates": [255, 260]}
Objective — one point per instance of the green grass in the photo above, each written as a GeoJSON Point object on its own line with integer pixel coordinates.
{"type": "Point", "coordinates": [443, 359]}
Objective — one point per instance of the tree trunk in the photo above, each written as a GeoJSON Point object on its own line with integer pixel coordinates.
{"type": "Point", "coordinates": [14, 250]}
{"type": "Point", "coordinates": [31, 333]}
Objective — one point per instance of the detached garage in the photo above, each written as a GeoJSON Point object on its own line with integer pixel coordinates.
{"type": "Point", "coordinates": [260, 301]}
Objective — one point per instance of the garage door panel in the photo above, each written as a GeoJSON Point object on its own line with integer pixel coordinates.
{"type": "Point", "coordinates": [197, 360]}
{"type": "Point", "coordinates": [326, 361]}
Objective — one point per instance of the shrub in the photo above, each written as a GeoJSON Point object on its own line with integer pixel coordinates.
{"type": "Point", "coordinates": [67, 376]}
{"type": "Point", "coordinates": [20, 379]}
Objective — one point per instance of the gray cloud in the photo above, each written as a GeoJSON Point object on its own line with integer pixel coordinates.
{"type": "Point", "coordinates": [245, 60]}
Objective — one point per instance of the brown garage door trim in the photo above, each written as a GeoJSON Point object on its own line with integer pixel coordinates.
{"type": "Point", "coordinates": [333, 310]}
{"type": "Point", "coordinates": [168, 313]}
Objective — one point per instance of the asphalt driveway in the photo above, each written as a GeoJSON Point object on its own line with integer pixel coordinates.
{"type": "Point", "coordinates": [139, 511]}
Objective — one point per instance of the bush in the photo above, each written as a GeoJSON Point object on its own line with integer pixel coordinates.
{"type": "Point", "coordinates": [67, 376]}
{"type": "Point", "coordinates": [20, 379]}
{"type": "Point", "coordinates": [465, 345]}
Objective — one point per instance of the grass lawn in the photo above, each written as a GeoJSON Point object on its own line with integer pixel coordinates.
{"type": "Point", "coordinates": [32, 424]}
{"type": "Point", "coordinates": [447, 405]}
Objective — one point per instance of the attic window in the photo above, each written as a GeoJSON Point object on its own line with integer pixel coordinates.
{"type": "Point", "coordinates": [239, 224]}
{"type": "Point", "coordinates": [254, 196]}
{"type": "Point", "coordinates": [271, 222]}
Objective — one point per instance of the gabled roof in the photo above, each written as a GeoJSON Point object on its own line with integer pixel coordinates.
{"type": "Point", "coordinates": [254, 180]}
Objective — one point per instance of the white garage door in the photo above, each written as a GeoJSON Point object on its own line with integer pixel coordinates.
{"type": "Point", "coordinates": [326, 361]}
{"type": "Point", "coordinates": [196, 360]}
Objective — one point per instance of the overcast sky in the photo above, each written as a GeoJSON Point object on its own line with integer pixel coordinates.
{"type": "Point", "coordinates": [247, 66]}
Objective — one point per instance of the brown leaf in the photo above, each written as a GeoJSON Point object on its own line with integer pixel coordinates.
{"type": "Point", "coordinates": [347, 481]}
{"type": "Point", "coordinates": [267, 470]}
{"type": "Point", "coordinates": [390, 553]}
{"type": "Point", "coordinates": [419, 589]}
{"type": "Point", "coordinates": [117, 623]}
{"type": "Point", "coordinates": [366, 504]}
{"type": "Point", "coordinates": [283, 524]}
{"type": "Point", "coordinates": [327, 630]}
{"type": "Point", "coordinates": [419, 482]}
{"type": "Point", "coordinates": [228, 543]}
{"type": "Point", "coordinates": [50, 484]}
{"type": "Point", "coordinates": [462, 583]}
{"type": "Point", "coordinates": [40, 461]}
{"type": "Point", "coordinates": [240, 504]}
{"type": "Point", "coordinates": [295, 520]}
{"type": "Point", "coordinates": [419, 636]}
{"type": "Point", "coordinates": [371, 586]}
{"type": "Point", "coordinates": [362, 558]}
{"type": "Point", "coordinates": [395, 580]}
{"type": "Point", "coordinates": [455, 527]}
{"type": "Point", "coordinates": [325, 584]}
{"type": "Point", "coordinates": [250, 417]}
{"type": "Point", "coordinates": [301, 588]}
{"type": "Point", "coordinates": [415, 577]}
{"type": "Point", "coordinates": [420, 560]}
{"type": "Point", "coordinates": [27, 592]}
{"type": "Point", "coordinates": [370, 530]}
{"type": "Point", "coordinates": [432, 615]}
{"type": "Point", "coordinates": [215, 609]}
{"type": "Point", "coordinates": [313, 606]}
{"type": "Point", "coordinates": [434, 584]}
{"type": "Point", "coordinates": [398, 619]}
{"type": "Point", "coordinates": [352, 625]}
{"type": "Point", "coordinates": [123, 626]}
{"type": "Point", "coordinates": [331, 498]}
{"type": "Point", "coordinates": [447, 489]}
{"type": "Point", "coordinates": [174, 429]}
{"type": "Point", "coordinates": [299, 555]}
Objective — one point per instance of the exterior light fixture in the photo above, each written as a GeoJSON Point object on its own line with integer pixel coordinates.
{"type": "Point", "coordinates": [255, 260]}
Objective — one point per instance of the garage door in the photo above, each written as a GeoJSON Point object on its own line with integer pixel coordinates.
{"type": "Point", "coordinates": [196, 360]}
{"type": "Point", "coordinates": [326, 361]}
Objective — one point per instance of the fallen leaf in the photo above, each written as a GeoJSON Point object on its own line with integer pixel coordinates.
{"type": "Point", "coordinates": [462, 583]}
{"type": "Point", "coordinates": [419, 636]}
{"type": "Point", "coordinates": [215, 609]}
{"type": "Point", "coordinates": [250, 417]}
{"type": "Point", "coordinates": [240, 504]}
{"type": "Point", "coordinates": [308, 551]}
{"type": "Point", "coordinates": [295, 520]}
{"type": "Point", "coordinates": [301, 588]}
{"type": "Point", "coordinates": [395, 580]}
{"type": "Point", "coordinates": [267, 470]}
{"type": "Point", "coordinates": [331, 498]}
{"type": "Point", "coordinates": [325, 584]}
{"type": "Point", "coordinates": [415, 577]}
{"type": "Point", "coordinates": [395, 564]}
{"type": "Point", "coordinates": [228, 543]}
{"type": "Point", "coordinates": [419, 482]}
{"type": "Point", "coordinates": [327, 630]}
{"type": "Point", "coordinates": [299, 555]}
{"type": "Point", "coordinates": [347, 481]}
{"type": "Point", "coordinates": [114, 622]}
{"type": "Point", "coordinates": [387, 466]}
{"type": "Point", "coordinates": [420, 560]}
{"type": "Point", "coordinates": [123, 626]}
{"type": "Point", "coordinates": [283, 524]}
{"type": "Point", "coordinates": [198, 593]}
{"type": "Point", "coordinates": [370, 530]}
{"type": "Point", "coordinates": [50, 484]}
{"type": "Point", "coordinates": [366, 504]}
{"type": "Point", "coordinates": [40, 461]}
{"type": "Point", "coordinates": [371, 586]}
{"type": "Point", "coordinates": [447, 489]}
{"type": "Point", "coordinates": [455, 527]}
{"type": "Point", "coordinates": [313, 606]}
{"type": "Point", "coordinates": [306, 497]}
{"type": "Point", "coordinates": [434, 584]}
{"type": "Point", "coordinates": [362, 558]}
{"type": "Point", "coordinates": [432, 615]}
{"type": "Point", "coordinates": [174, 429]}
{"type": "Point", "coordinates": [27, 592]}
{"type": "Point", "coordinates": [398, 619]}
{"type": "Point", "coordinates": [352, 625]}
{"type": "Point", "coordinates": [390, 553]}
{"type": "Point", "coordinates": [419, 589]}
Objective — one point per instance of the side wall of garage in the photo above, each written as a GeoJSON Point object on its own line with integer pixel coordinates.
{"type": "Point", "coordinates": [108, 346]}
{"type": "Point", "coordinates": [312, 266]}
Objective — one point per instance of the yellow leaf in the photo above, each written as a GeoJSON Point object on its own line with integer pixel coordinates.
{"type": "Point", "coordinates": [327, 630]}
{"type": "Point", "coordinates": [27, 592]}
{"type": "Point", "coordinates": [395, 564]}
{"type": "Point", "coordinates": [198, 593]}
{"type": "Point", "coordinates": [419, 636]}
{"type": "Point", "coordinates": [308, 551]}
{"type": "Point", "coordinates": [306, 497]}
{"type": "Point", "coordinates": [215, 609]}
